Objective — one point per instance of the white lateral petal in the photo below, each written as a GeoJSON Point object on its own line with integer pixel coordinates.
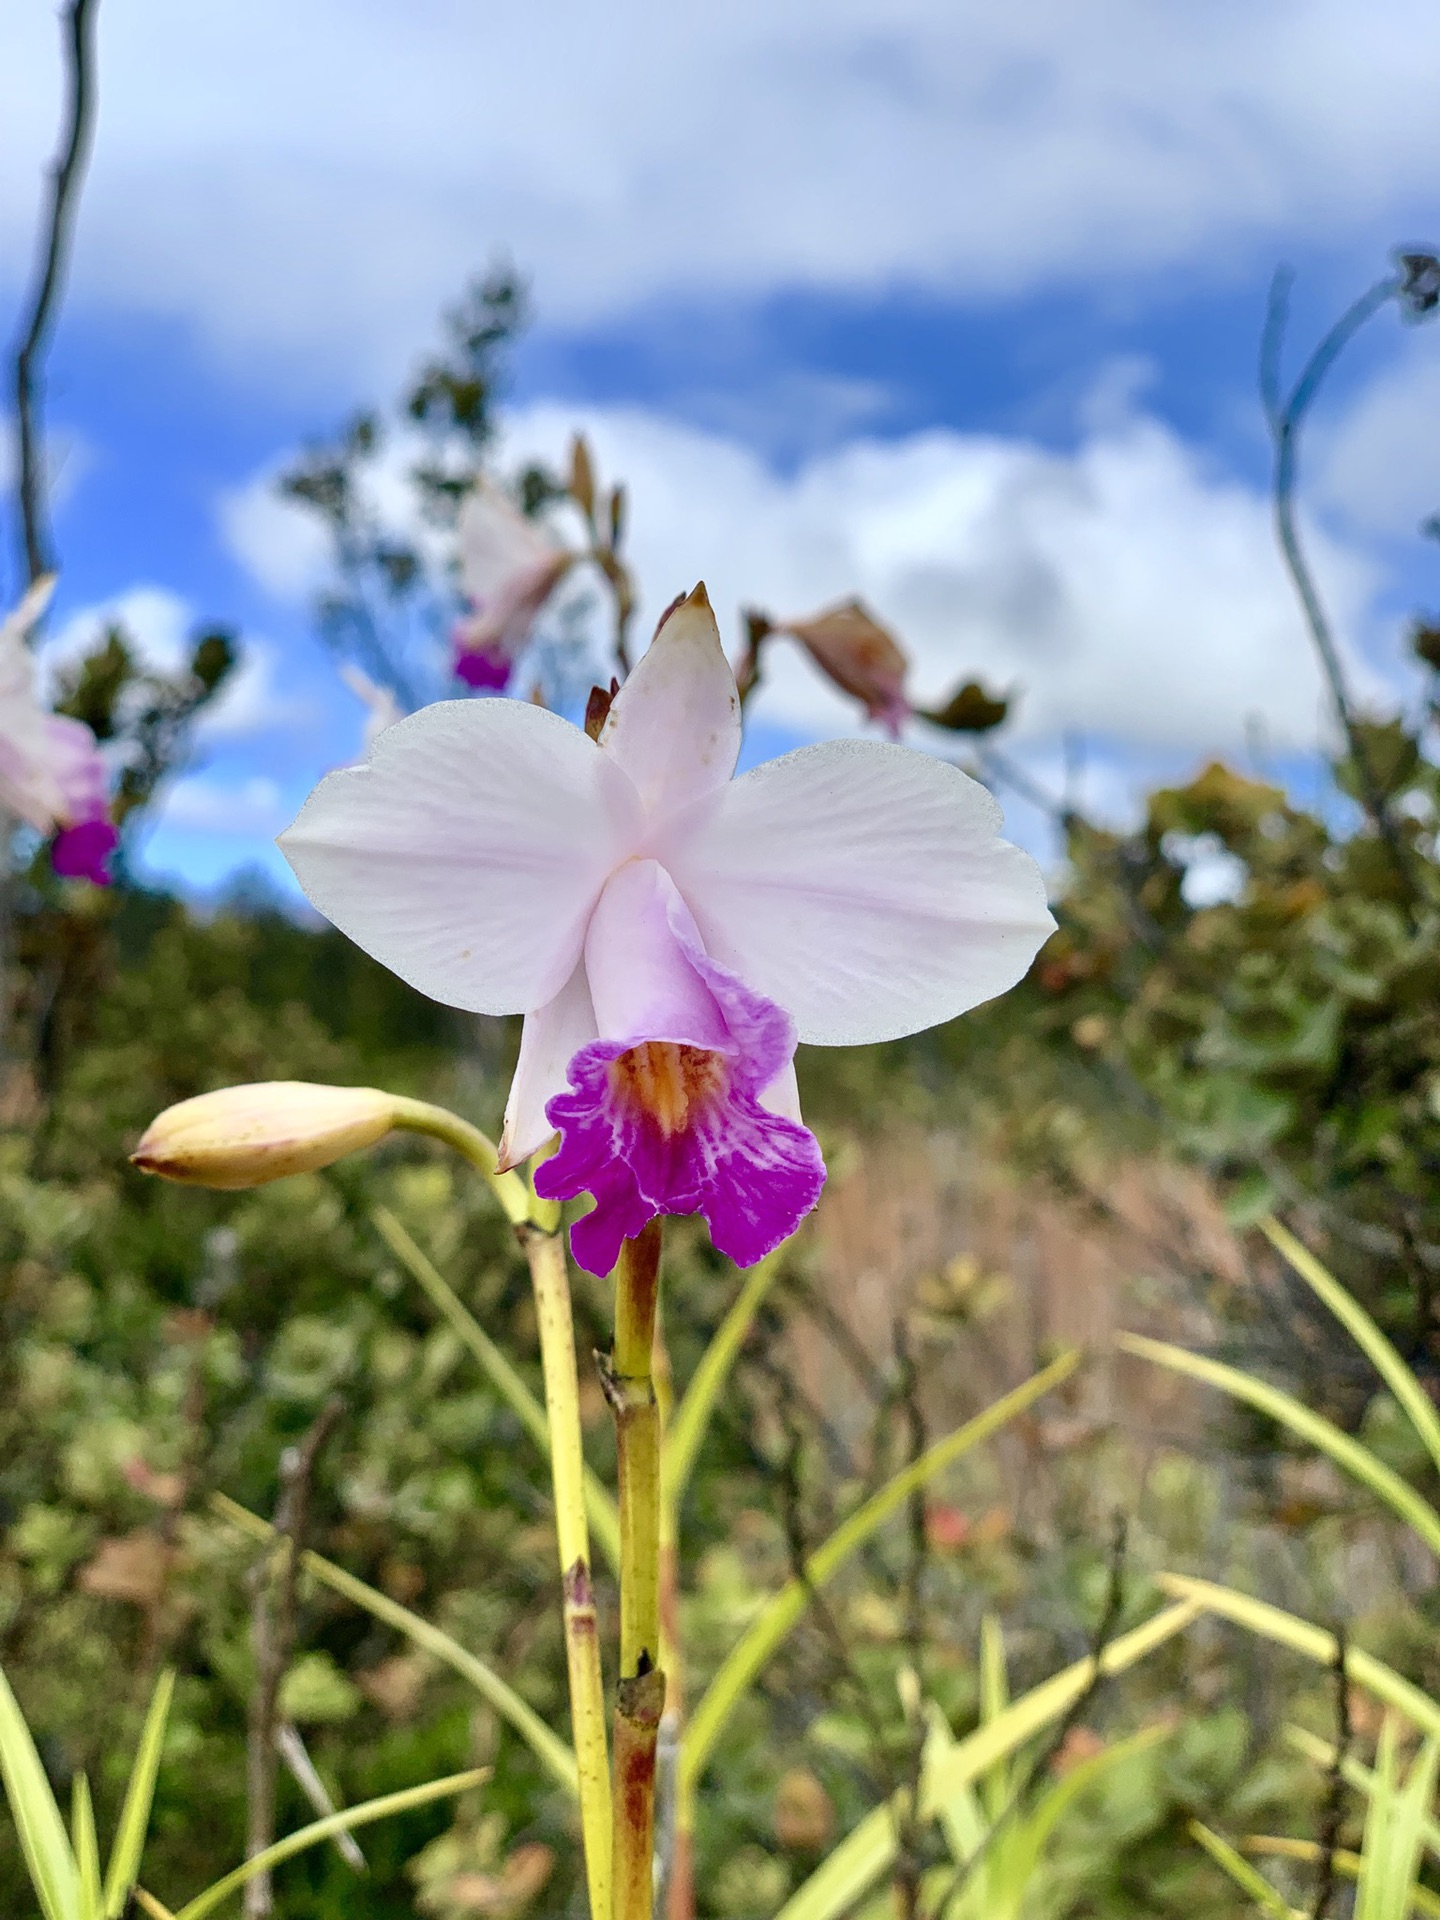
{"type": "Point", "coordinates": [467, 852]}
{"type": "Point", "coordinates": [497, 542]}
{"type": "Point", "coordinates": [549, 1040]}
{"type": "Point", "coordinates": [782, 1096]}
{"type": "Point", "coordinates": [675, 724]}
{"type": "Point", "coordinates": [862, 887]}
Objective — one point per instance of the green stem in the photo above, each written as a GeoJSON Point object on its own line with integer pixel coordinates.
{"type": "Point", "coordinates": [599, 1506]}
{"type": "Point", "coordinates": [640, 1697]}
{"type": "Point", "coordinates": [418, 1116]}
{"type": "Point", "coordinates": [537, 1223]}
{"type": "Point", "coordinates": [545, 1253]}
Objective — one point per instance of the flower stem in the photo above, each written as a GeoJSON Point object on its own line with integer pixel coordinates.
{"type": "Point", "coordinates": [545, 1253]}
{"type": "Point", "coordinates": [537, 1227]}
{"type": "Point", "coordinates": [640, 1697]}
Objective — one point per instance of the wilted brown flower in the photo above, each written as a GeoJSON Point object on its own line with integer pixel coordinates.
{"type": "Point", "coordinates": [850, 647]}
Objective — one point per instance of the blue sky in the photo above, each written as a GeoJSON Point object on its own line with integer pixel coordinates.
{"type": "Point", "coordinates": [949, 305]}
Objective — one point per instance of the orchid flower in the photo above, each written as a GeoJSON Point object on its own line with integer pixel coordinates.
{"type": "Point", "coordinates": [509, 567]}
{"type": "Point", "coordinates": [51, 772]}
{"type": "Point", "coordinates": [669, 932]}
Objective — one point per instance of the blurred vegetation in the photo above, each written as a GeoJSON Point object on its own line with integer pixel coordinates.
{"type": "Point", "coordinates": [1241, 984]}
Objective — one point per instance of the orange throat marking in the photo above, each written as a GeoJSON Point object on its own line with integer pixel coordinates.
{"type": "Point", "coordinates": [667, 1081]}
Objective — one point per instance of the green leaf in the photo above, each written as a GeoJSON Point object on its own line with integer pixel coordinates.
{"type": "Point", "coordinates": [86, 1845]}
{"type": "Point", "coordinates": [548, 1748]}
{"type": "Point", "coordinates": [869, 1849]}
{"type": "Point", "coordinates": [1402, 1383]}
{"type": "Point", "coordinates": [781, 1612]}
{"type": "Point", "coordinates": [600, 1507]}
{"type": "Point", "coordinates": [1272, 1623]}
{"type": "Point", "coordinates": [692, 1417]}
{"type": "Point", "coordinates": [129, 1841]}
{"type": "Point", "coordinates": [1357, 1460]}
{"type": "Point", "coordinates": [43, 1839]}
{"type": "Point", "coordinates": [1249, 1879]}
{"type": "Point", "coordinates": [326, 1829]}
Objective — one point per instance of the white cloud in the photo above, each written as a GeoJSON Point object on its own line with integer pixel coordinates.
{"type": "Point", "coordinates": [1379, 462]}
{"type": "Point", "coordinates": [199, 804]}
{"type": "Point", "coordinates": [316, 178]}
{"type": "Point", "coordinates": [1129, 592]}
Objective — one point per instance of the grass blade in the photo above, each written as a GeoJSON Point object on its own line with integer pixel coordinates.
{"type": "Point", "coordinates": [1356, 1460]}
{"type": "Point", "coordinates": [43, 1839]}
{"type": "Point", "coordinates": [687, 1429]}
{"type": "Point", "coordinates": [129, 1841]}
{"type": "Point", "coordinates": [1284, 1848]}
{"type": "Point", "coordinates": [1402, 1383]}
{"type": "Point", "coordinates": [87, 1846]}
{"type": "Point", "coordinates": [1287, 1630]}
{"type": "Point", "coordinates": [1354, 1773]}
{"type": "Point", "coordinates": [499, 1371]}
{"type": "Point", "coordinates": [548, 1748]}
{"type": "Point", "coordinates": [780, 1614]}
{"type": "Point", "coordinates": [318, 1830]}
{"type": "Point", "coordinates": [869, 1849]}
{"type": "Point", "coordinates": [1249, 1879]}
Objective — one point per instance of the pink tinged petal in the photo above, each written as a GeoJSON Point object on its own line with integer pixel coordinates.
{"type": "Point", "coordinates": [468, 851]}
{"type": "Point", "coordinates": [551, 1036]}
{"type": "Point", "coordinates": [663, 1112]}
{"type": "Point", "coordinates": [862, 887]}
{"type": "Point", "coordinates": [675, 724]}
{"type": "Point", "coordinates": [82, 853]}
{"type": "Point", "coordinates": [497, 542]}
{"type": "Point", "coordinates": [78, 769]}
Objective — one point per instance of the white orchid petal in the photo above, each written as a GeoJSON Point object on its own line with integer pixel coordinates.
{"type": "Point", "coordinates": [549, 1040]}
{"type": "Point", "coordinates": [497, 542]}
{"type": "Point", "coordinates": [466, 854]}
{"type": "Point", "coordinates": [862, 887]}
{"type": "Point", "coordinates": [782, 1096]}
{"type": "Point", "coordinates": [675, 724]}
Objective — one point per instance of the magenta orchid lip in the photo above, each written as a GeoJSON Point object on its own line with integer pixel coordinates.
{"type": "Point", "coordinates": [668, 931]}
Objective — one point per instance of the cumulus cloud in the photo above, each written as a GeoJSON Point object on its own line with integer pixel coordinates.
{"type": "Point", "coordinates": [317, 178]}
{"type": "Point", "coordinates": [1379, 462]}
{"type": "Point", "coordinates": [1126, 589]}
{"type": "Point", "coordinates": [247, 810]}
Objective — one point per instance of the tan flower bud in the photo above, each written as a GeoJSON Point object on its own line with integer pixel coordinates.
{"type": "Point", "coordinates": [246, 1136]}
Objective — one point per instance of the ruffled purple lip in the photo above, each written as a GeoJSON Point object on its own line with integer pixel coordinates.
{"type": "Point", "coordinates": [652, 1126]}
{"type": "Point", "coordinates": [81, 852]}
{"type": "Point", "coordinates": [486, 669]}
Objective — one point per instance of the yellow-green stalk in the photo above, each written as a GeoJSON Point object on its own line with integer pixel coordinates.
{"type": "Point", "coordinates": [545, 1251]}
{"type": "Point", "coordinates": [640, 1696]}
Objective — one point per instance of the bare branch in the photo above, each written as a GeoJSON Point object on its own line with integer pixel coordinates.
{"type": "Point", "coordinates": [1286, 415]}
{"type": "Point", "coordinates": [67, 176]}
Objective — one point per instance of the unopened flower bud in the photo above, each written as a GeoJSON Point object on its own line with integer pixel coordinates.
{"type": "Point", "coordinates": [246, 1136]}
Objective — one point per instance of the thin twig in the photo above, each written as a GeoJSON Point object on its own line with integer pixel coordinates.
{"type": "Point", "coordinates": [1104, 1633]}
{"type": "Point", "coordinates": [273, 1629]}
{"type": "Point", "coordinates": [1333, 1817]}
{"type": "Point", "coordinates": [66, 179]}
{"type": "Point", "coordinates": [1286, 415]}
{"type": "Point", "coordinates": [909, 1860]}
